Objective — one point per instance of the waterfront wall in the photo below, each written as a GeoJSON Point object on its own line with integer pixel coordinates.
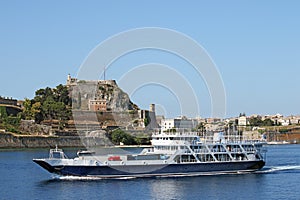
{"type": "Point", "coordinates": [8, 140]}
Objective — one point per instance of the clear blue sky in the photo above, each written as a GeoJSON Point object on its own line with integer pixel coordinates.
{"type": "Point", "coordinates": [255, 45]}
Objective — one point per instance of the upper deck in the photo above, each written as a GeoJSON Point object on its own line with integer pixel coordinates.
{"type": "Point", "coordinates": [182, 136]}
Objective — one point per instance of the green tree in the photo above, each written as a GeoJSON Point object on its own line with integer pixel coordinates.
{"type": "Point", "coordinates": [3, 113]}
{"type": "Point", "coordinates": [255, 121]}
{"type": "Point", "coordinates": [201, 127]}
{"type": "Point", "coordinates": [283, 130]}
{"type": "Point", "coordinates": [42, 94]}
{"type": "Point", "coordinates": [146, 121]}
{"type": "Point", "coordinates": [119, 135]}
{"type": "Point", "coordinates": [55, 110]}
{"type": "Point", "coordinates": [61, 94]}
{"type": "Point", "coordinates": [9, 123]}
{"type": "Point", "coordinates": [49, 104]}
{"type": "Point", "coordinates": [11, 120]}
{"type": "Point", "coordinates": [31, 109]}
{"type": "Point", "coordinates": [35, 109]}
{"type": "Point", "coordinates": [261, 131]}
{"type": "Point", "coordinates": [27, 109]}
{"type": "Point", "coordinates": [268, 122]}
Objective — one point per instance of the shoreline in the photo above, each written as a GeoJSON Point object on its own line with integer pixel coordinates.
{"type": "Point", "coordinates": [10, 140]}
{"type": "Point", "coordinates": [13, 141]}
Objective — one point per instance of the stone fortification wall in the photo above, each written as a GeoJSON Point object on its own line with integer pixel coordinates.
{"type": "Point", "coordinates": [8, 140]}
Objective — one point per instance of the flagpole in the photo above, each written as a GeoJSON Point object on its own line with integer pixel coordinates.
{"type": "Point", "coordinates": [104, 73]}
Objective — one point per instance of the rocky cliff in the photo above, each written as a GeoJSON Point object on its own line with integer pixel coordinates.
{"type": "Point", "coordinates": [102, 102]}
{"type": "Point", "coordinates": [116, 100]}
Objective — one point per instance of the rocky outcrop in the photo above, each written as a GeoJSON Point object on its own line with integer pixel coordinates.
{"type": "Point", "coordinates": [107, 90]}
{"type": "Point", "coordinates": [30, 127]}
{"type": "Point", "coordinates": [116, 107]}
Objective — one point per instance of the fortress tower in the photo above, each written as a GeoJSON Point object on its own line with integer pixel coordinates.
{"type": "Point", "coordinates": [71, 81]}
{"type": "Point", "coordinates": [152, 107]}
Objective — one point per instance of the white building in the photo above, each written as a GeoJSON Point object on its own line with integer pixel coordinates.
{"type": "Point", "coordinates": [242, 121]}
{"type": "Point", "coordinates": [284, 121]}
{"type": "Point", "coordinates": [182, 122]}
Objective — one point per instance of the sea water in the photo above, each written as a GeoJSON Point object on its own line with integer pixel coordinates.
{"type": "Point", "coordinates": [23, 179]}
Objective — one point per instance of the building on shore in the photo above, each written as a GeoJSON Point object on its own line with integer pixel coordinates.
{"type": "Point", "coordinates": [8, 101]}
{"type": "Point", "coordinates": [12, 106]}
{"type": "Point", "coordinates": [243, 121]}
{"type": "Point", "coordinates": [180, 122]}
{"type": "Point", "coordinates": [97, 105]}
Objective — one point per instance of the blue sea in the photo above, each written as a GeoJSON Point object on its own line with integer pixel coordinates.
{"type": "Point", "coordinates": [23, 179]}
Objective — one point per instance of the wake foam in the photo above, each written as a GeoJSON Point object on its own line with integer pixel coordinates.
{"type": "Point", "coordinates": [87, 178]}
{"type": "Point", "coordinates": [279, 168]}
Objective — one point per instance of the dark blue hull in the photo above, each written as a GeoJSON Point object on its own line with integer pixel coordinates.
{"type": "Point", "coordinates": [154, 170]}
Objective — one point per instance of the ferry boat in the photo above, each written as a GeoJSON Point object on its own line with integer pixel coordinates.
{"type": "Point", "coordinates": [178, 153]}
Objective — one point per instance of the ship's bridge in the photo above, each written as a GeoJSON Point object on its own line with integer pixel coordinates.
{"type": "Point", "coordinates": [174, 138]}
